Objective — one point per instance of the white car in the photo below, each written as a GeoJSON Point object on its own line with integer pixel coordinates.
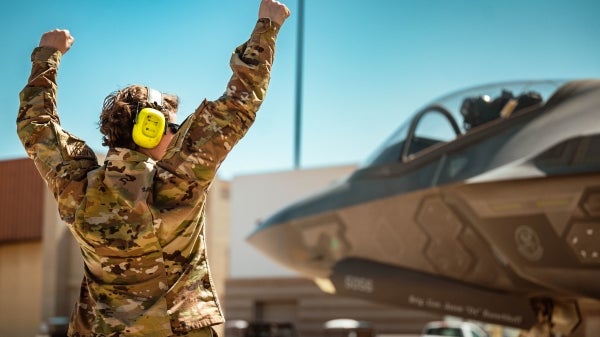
{"type": "Point", "coordinates": [453, 329]}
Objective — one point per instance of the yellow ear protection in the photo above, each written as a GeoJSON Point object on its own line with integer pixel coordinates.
{"type": "Point", "coordinates": [149, 124]}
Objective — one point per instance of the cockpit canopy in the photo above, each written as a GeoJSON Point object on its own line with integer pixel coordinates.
{"type": "Point", "coordinates": [456, 114]}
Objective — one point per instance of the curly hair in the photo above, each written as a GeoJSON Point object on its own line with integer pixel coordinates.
{"type": "Point", "coordinates": [118, 114]}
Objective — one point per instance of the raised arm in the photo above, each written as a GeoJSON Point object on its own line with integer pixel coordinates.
{"type": "Point", "coordinates": [209, 134]}
{"type": "Point", "coordinates": [62, 159]}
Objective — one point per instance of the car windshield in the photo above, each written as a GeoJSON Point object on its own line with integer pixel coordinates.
{"type": "Point", "coordinates": [465, 109]}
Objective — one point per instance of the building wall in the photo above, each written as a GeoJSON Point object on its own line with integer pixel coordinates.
{"type": "Point", "coordinates": [217, 232]}
{"type": "Point", "coordinates": [21, 249]}
{"type": "Point", "coordinates": [217, 236]}
{"type": "Point", "coordinates": [21, 201]}
{"type": "Point", "coordinates": [21, 281]}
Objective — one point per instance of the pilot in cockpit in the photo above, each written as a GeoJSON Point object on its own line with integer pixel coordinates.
{"type": "Point", "coordinates": [482, 109]}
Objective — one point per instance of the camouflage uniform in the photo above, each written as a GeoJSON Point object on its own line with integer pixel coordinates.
{"type": "Point", "coordinates": [140, 223]}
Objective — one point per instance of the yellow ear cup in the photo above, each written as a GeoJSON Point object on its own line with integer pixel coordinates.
{"type": "Point", "coordinates": [149, 128]}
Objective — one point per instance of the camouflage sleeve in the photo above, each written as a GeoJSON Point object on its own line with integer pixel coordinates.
{"type": "Point", "coordinates": [209, 134]}
{"type": "Point", "coordinates": [61, 159]}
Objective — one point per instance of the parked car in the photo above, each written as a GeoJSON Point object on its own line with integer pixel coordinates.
{"type": "Point", "coordinates": [453, 329]}
{"type": "Point", "coordinates": [242, 328]}
{"type": "Point", "coordinates": [344, 327]}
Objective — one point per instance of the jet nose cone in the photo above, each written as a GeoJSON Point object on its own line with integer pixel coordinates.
{"type": "Point", "coordinates": [279, 240]}
{"type": "Point", "coordinates": [309, 245]}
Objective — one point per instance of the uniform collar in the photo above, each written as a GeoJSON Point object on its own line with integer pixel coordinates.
{"type": "Point", "coordinates": [128, 155]}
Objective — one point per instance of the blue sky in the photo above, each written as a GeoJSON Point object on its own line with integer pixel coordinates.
{"type": "Point", "coordinates": [368, 65]}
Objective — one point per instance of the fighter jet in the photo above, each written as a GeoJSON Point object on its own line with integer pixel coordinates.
{"type": "Point", "coordinates": [485, 205]}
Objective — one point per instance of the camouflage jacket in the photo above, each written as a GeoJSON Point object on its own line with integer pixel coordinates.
{"type": "Point", "coordinates": [140, 223]}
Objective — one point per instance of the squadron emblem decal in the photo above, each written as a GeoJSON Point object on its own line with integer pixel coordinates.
{"type": "Point", "coordinates": [529, 244]}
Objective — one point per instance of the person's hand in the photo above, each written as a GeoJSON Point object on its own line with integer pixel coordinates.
{"type": "Point", "coordinates": [60, 39]}
{"type": "Point", "coordinates": [274, 10]}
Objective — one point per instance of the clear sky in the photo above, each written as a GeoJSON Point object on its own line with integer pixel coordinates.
{"type": "Point", "coordinates": [368, 65]}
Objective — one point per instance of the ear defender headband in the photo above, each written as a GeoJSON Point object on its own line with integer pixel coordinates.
{"type": "Point", "coordinates": [149, 124]}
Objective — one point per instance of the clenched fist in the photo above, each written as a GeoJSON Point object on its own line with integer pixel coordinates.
{"type": "Point", "coordinates": [274, 10]}
{"type": "Point", "coordinates": [60, 39]}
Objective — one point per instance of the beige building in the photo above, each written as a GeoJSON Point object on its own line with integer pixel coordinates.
{"type": "Point", "coordinates": [21, 251]}
{"type": "Point", "coordinates": [40, 266]}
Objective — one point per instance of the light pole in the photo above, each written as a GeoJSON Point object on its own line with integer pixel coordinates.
{"type": "Point", "coordinates": [298, 107]}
